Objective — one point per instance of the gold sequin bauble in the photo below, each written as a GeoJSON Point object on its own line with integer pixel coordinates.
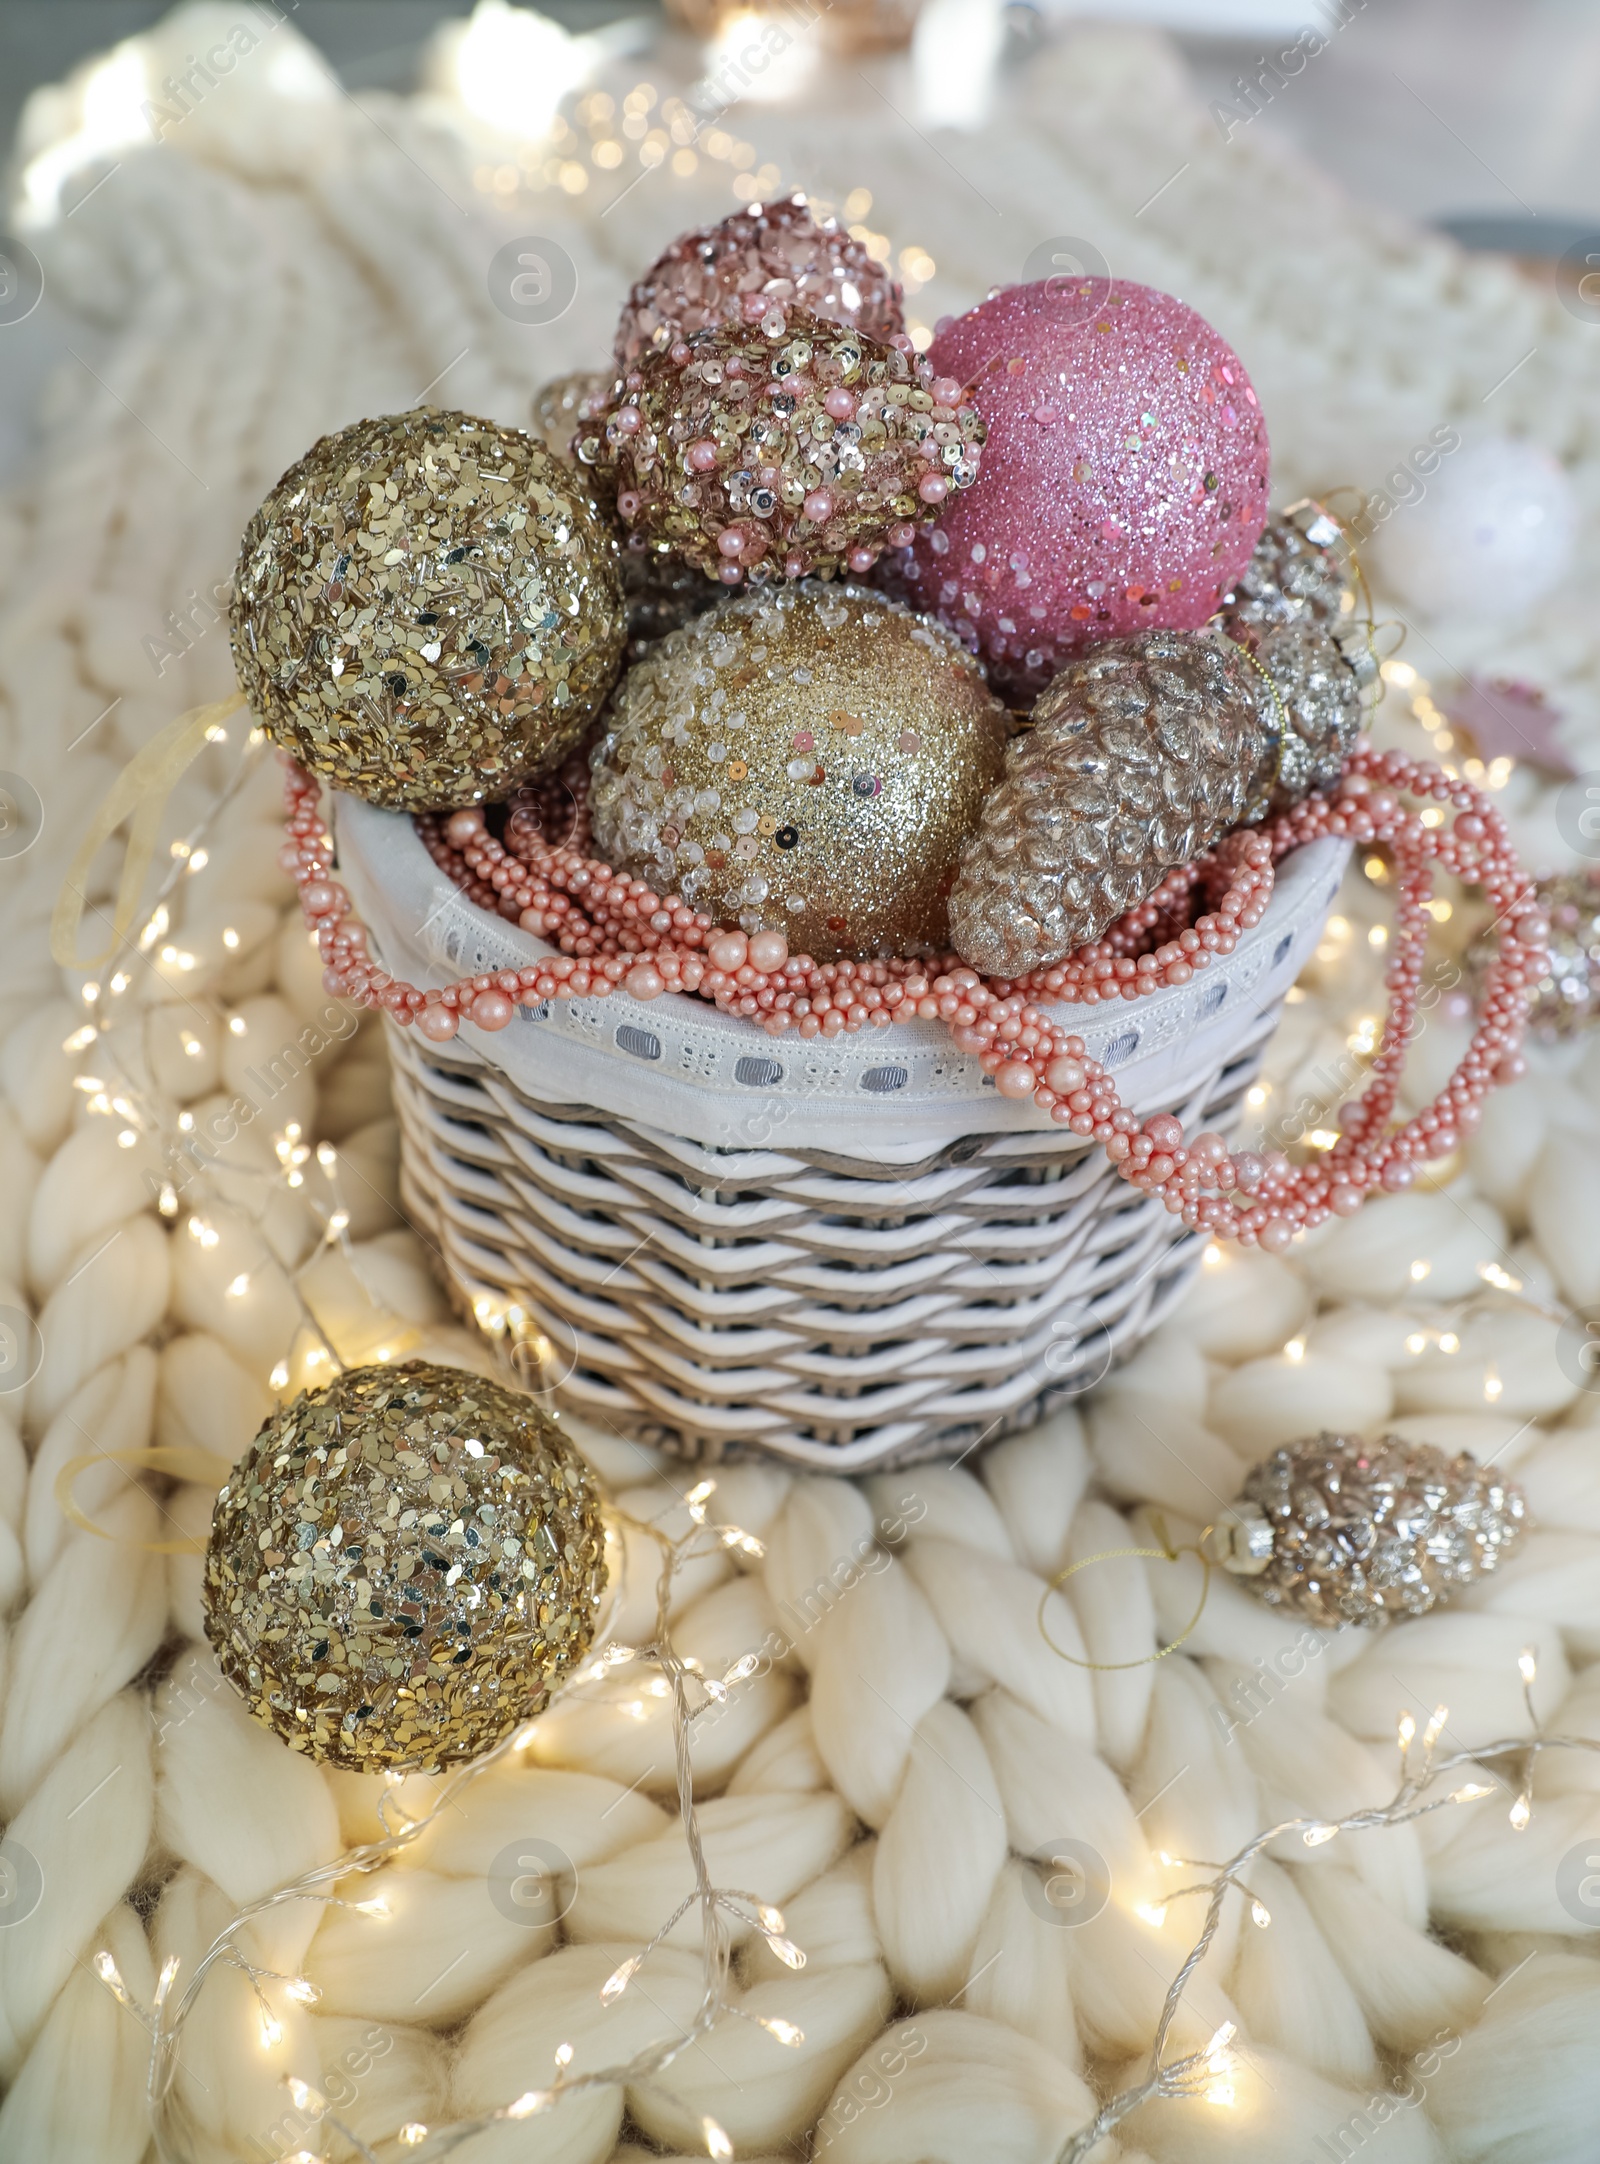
{"type": "Point", "coordinates": [1567, 997]}
{"type": "Point", "coordinates": [427, 609]}
{"type": "Point", "coordinates": [782, 448]}
{"type": "Point", "coordinates": [766, 258]}
{"type": "Point", "coordinates": [1143, 752]}
{"type": "Point", "coordinates": [1346, 1531]}
{"type": "Point", "coordinates": [806, 759]}
{"type": "Point", "coordinates": [401, 1567]}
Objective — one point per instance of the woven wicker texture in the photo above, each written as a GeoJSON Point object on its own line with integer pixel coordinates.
{"type": "Point", "coordinates": [715, 1299]}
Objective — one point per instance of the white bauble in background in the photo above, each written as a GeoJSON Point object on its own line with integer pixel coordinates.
{"type": "Point", "coordinates": [1492, 534]}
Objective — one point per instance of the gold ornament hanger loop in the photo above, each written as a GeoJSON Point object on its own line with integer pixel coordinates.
{"type": "Point", "coordinates": [1166, 1553]}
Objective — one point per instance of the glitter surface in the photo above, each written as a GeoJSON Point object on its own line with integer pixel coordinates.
{"type": "Point", "coordinates": [1124, 479]}
{"type": "Point", "coordinates": [757, 764]}
{"type": "Point", "coordinates": [786, 446]}
{"type": "Point", "coordinates": [1294, 609]}
{"type": "Point", "coordinates": [774, 254]}
{"type": "Point", "coordinates": [1294, 576]}
{"type": "Point", "coordinates": [402, 1565]}
{"type": "Point", "coordinates": [1364, 1531]}
{"type": "Point", "coordinates": [427, 610]}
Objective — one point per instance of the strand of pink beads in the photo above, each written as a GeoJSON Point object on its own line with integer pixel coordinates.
{"type": "Point", "coordinates": [616, 933]}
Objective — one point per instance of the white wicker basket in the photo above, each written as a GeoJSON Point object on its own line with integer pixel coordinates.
{"type": "Point", "coordinates": [851, 1254]}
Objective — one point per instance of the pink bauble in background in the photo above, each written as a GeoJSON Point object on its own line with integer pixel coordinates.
{"type": "Point", "coordinates": [1123, 485]}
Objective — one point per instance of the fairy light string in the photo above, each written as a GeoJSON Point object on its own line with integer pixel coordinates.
{"type": "Point", "coordinates": [167, 2016]}
{"type": "Point", "coordinates": [1421, 1768]}
{"type": "Point", "coordinates": [1199, 2073]}
{"type": "Point", "coordinates": [152, 1112]}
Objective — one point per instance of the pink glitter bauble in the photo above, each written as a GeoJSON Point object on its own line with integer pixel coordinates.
{"type": "Point", "coordinates": [769, 256]}
{"type": "Point", "coordinates": [1124, 480]}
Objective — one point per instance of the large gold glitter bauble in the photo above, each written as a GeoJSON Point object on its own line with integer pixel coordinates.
{"type": "Point", "coordinates": [1345, 1531]}
{"type": "Point", "coordinates": [427, 610]}
{"type": "Point", "coordinates": [401, 1567]}
{"type": "Point", "coordinates": [806, 759]}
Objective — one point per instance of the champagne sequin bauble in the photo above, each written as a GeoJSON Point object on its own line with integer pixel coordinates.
{"type": "Point", "coordinates": [806, 760]}
{"type": "Point", "coordinates": [427, 609]}
{"type": "Point", "coordinates": [402, 1566]}
{"type": "Point", "coordinates": [1566, 998]}
{"type": "Point", "coordinates": [755, 264]}
{"type": "Point", "coordinates": [787, 447]}
{"type": "Point", "coordinates": [567, 405]}
{"type": "Point", "coordinates": [1142, 753]}
{"type": "Point", "coordinates": [1124, 477]}
{"type": "Point", "coordinates": [1345, 1531]}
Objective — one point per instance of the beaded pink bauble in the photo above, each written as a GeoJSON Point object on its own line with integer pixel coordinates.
{"type": "Point", "coordinates": [767, 255]}
{"type": "Point", "coordinates": [1124, 479]}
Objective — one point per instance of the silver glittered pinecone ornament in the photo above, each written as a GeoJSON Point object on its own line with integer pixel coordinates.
{"type": "Point", "coordinates": [1345, 1531]}
{"type": "Point", "coordinates": [1144, 752]}
{"type": "Point", "coordinates": [1296, 610]}
{"type": "Point", "coordinates": [1296, 574]}
{"type": "Point", "coordinates": [1566, 999]}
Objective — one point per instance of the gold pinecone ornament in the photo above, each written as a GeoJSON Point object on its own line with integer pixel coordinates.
{"type": "Point", "coordinates": [1344, 1531]}
{"type": "Point", "coordinates": [1145, 751]}
{"type": "Point", "coordinates": [1142, 752]}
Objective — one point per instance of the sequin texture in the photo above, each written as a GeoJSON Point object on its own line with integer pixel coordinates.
{"type": "Point", "coordinates": [788, 446]}
{"type": "Point", "coordinates": [427, 610]}
{"type": "Point", "coordinates": [401, 1567]}
{"type": "Point", "coordinates": [810, 689]}
{"type": "Point", "coordinates": [565, 405]}
{"type": "Point", "coordinates": [768, 255]}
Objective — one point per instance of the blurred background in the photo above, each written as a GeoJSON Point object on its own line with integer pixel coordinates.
{"type": "Point", "coordinates": [1477, 114]}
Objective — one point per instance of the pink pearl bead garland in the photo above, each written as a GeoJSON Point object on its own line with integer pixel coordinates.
{"type": "Point", "coordinates": [616, 933]}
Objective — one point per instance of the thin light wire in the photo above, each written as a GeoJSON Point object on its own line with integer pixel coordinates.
{"type": "Point", "coordinates": [153, 1112]}
{"type": "Point", "coordinates": [1194, 2071]}
{"type": "Point", "coordinates": [166, 2018]}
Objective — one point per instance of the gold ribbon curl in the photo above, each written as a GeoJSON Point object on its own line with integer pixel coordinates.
{"type": "Point", "coordinates": [202, 1468]}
